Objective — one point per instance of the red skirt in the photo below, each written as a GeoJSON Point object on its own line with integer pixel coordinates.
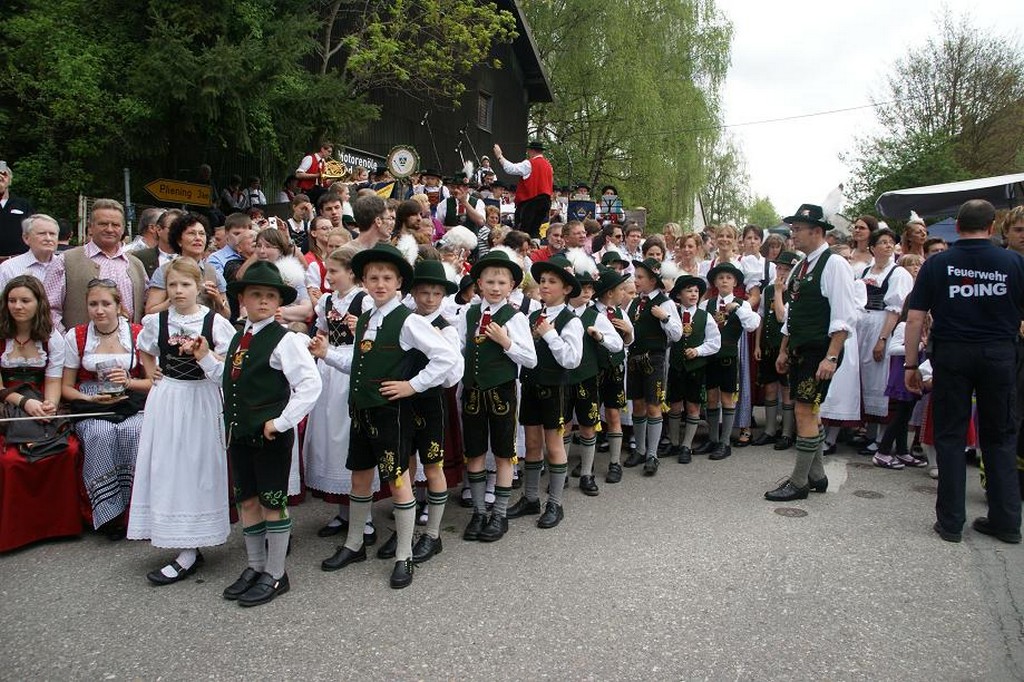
{"type": "Point", "coordinates": [39, 500]}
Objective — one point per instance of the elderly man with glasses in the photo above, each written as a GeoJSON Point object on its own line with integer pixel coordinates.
{"type": "Point", "coordinates": [40, 233]}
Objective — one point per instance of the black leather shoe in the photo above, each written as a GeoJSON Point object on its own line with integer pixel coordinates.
{"type": "Point", "coordinates": [614, 474]}
{"type": "Point", "coordinates": [818, 486]}
{"type": "Point", "coordinates": [245, 581]}
{"type": "Point", "coordinates": [721, 452]}
{"type": "Point", "coordinates": [783, 443]}
{"type": "Point", "coordinates": [982, 525]}
{"type": "Point", "coordinates": [651, 466]}
{"type": "Point", "coordinates": [552, 515]}
{"type": "Point", "coordinates": [706, 448]}
{"type": "Point", "coordinates": [786, 492]}
{"type": "Point", "coordinates": [330, 531]}
{"type": "Point", "coordinates": [401, 576]}
{"type": "Point", "coordinates": [387, 550]}
{"type": "Point", "coordinates": [828, 450]}
{"type": "Point", "coordinates": [425, 548]}
{"type": "Point", "coordinates": [157, 577]}
{"type": "Point", "coordinates": [685, 455]}
{"type": "Point", "coordinates": [264, 589]}
{"type": "Point", "coordinates": [342, 558]}
{"type": "Point", "coordinates": [523, 507]}
{"type": "Point", "coordinates": [494, 530]}
{"type": "Point", "coordinates": [589, 486]}
{"type": "Point", "coordinates": [517, 483]}
{"type": "Point", "coordinates": [476, 524]}
{"type": "Point", "coordinates": [575, 473]}
{"type": "Point", "coordinates": [635, 459]}
{"type": "Point", "coordinates": [947, 535]}
{"type": "Point", "coordinates": [370, 539]}
{"type": "Point", "coordinates": [764, 439]}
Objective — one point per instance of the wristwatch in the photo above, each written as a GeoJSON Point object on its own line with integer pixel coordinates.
{"type": "Point", "coordinates": [834, 359]}
{"type": "Point", "coordinates": [906, 366]}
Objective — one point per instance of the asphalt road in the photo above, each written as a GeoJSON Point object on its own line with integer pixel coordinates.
{"type": "Point", "coordinates": [689, 575]}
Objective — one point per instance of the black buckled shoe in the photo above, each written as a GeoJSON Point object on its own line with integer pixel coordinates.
{"type": "Point", "coordinates": [342, 558]}
{"type": "Point", "coordinates": [819, 486]}
{"type": "Point", "coordinates": [369, 539]}
{"type": "Point", "coordinates": [239, 587]}
{"type": "Point", "coordinates": [764, 439]}
{"type": "Point", "coordinates": [706, 448]}
{"type": "Point", "coordinates": [635, 459]}
{"type": "Point", "coordinates": [157, 577]}
{"type": "Point", "coordinates": [685, 455]}
{"type": "Point", "coordinates": [265, 589]}
{"type": "Point", "coordinates": [476, 524]}
{"type": "Point", "coordinates": [401, 576]}
{"type": "Point", "coordinates": [388, 549]}
{"type": "Point", "coordinates": [330, 531]}
{"type": "Point", "coordinates": [425, 548]}
{"type": "Point", "coordinates": [828, 449]}
{"type": "Point", "coordinates": [552, 515]}
{"type": "Point", "coordinates": [786, 492]}
{"type": "Point", "coordinates": [783, 443]}
{"type": "Point", "coordinates": [494, 529]}
{"type": "Point", "coordinates": [651, 466]}
{"type": "Point", "coordinates": [614, 474]}
{"type": "Point", "coordinates": [720, 452]}
{"type": "Point", "coordinates": [589, 486]}
{"type": "Point", "coordinates": [523, 507]}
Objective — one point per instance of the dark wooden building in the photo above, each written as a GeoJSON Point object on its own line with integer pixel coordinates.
{"type": "Point", "coordinates": [494, 109]}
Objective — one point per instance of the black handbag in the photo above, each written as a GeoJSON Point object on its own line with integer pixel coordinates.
{"type": "Point", "coordinates": [35, 439]}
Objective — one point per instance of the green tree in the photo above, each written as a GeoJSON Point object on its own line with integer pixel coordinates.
{"type": "Point", "coordinates": [726, 189]}
{"type": "Point", "coordinates": [636, 94]}
{"type": "Point", "coordinates": [762, 212]}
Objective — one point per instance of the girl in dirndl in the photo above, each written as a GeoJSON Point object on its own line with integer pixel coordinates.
{"type": "Point", "coordinates": [180, 494]}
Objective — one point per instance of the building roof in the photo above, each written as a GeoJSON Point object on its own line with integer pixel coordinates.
{"type": "Point", "coordinates": [538, 85]}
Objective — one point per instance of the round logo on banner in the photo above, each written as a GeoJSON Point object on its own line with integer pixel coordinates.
{"type": "Point", "coordinates": [403, 161]}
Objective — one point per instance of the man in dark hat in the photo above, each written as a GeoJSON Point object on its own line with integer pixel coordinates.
{"type": "Point", "coordinates": [461, 208]}
{"type": "Point", "coordinates": [271, 384]}
{"type": "Point", "coordinates": [434, 189]}
{"type": "Point", "coordinates": [534, 189]}
{"type": "Point", "coordinates": [381, 385]}
{"type": "Point", "coordinates": [821, 314]}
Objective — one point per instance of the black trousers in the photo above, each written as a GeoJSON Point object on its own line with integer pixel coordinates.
{"type": "Point", "coordinates": [989, 372]}
{"type": "Point", "coordinates": [532, 213]}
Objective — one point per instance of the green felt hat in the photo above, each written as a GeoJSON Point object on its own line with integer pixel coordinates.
{"type": "Point", "coordinates": [727, 268]}
{"type": "Point", "coordinates": [384, 253]}
{"type": "Point", "coordinates": [686, 281]}
{"type": "Point", "coordinates": [266, 274]}
{"type": "Point", "coordinates": [497, 259]}
{"type": "Point", "coordinates": [558, 265]}
{"type": "Point", "coordinates": [608, 280]}
{"type": "Point", "coordinates": [432, 272]}
{"type": "Point", "coordinates": [652, 267]}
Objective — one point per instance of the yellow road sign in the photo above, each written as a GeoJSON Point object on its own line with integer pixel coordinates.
{"type": "Point", "coordinates": [178, 192]}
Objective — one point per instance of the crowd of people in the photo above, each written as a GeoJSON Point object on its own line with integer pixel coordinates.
{"type": "Point", "coordinates": [369, 347]}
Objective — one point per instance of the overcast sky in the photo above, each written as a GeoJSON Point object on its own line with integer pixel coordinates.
{"type": "Point", "coordinates": [798, 57]}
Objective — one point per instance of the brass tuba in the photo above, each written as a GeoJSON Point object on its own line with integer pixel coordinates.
{"type": "Point", "coordinates": [335, 171]}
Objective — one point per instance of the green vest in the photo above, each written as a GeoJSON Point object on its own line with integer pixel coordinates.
{"type": "Point", "coordinates": [648, 334]}
{"type": "Point", "coordinates": [693, 339]}
{"type": "Point", "coordinates": [379, 360]}
{"type": "Point", "coordinates": [771, 334]}
{"type": "Point", "coordinates": [548, 372]}
{"type": "Point", "coordinates": [732, 330]}
{"type": "Point", "coordinates": [605, 358]}
{"type": "Point", "coordinates": [487, 364]}
{"type": "Point", "coordinates": [809, 310]}
{"type": "Point", "coordinates": [260, 392]}
{"type": "Point", "coordinates": [588, 365]}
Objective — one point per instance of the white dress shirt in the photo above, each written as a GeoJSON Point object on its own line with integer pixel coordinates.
{"type": "Point", "coordinates": [749, 320]}
{"type": "Point", "coordinates": [610, 338]}
{"type": "Point", "coordinates": [567, 346]}
{"type": "Point", "coordinates": [712, 335]}
{"type": "Point", "coordinates": [672, 325]}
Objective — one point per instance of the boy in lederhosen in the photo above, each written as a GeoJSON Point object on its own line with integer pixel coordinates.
{"type": "Point", "coordinates": [687, 360]}
{"type": "Point", "coordinates": [733, 316]}
{"type": "Point", "coordinates": [384, 376]}
{"type": "Point", "coordinates": [766, 351]}
{"type": "Point", "coordinates": [655, 325]}
{"type": "Point", "coordinates": [611, 366]}
{"type": "Point", "coordinates": [558, 338]}
{"type": "Point", "coordinates": [271, 384]}
{"type": "Point", "coordinates": [496, 341]}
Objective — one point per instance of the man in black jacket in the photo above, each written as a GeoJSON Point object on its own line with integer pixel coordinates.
{"type": "Point", "coordinates": [13, 210]}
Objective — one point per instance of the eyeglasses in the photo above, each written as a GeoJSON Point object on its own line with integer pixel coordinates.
{"type": "Point", "coordinates": [101, 282]}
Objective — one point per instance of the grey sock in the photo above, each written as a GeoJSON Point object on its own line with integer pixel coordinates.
{"type": "Point", "coordinates": [435, 511]}
{"type": "Point", "coordinates": [691, 431]}
{"type": "Point", "coordinates": [278, 533]}
{"type": "Point", "coordinates": [640, 433]}
{"type": "Point", "coordinates": [359, 508]}
{"type": "Point", "coordinates": [405, 521]}
{"type": "Point", "coordinates": [570, 451]}
{"type": "Point", "coordinates": [587, 447]}
{"type": "Point", "coordinates": [728, 419]}
{"type": "Point", "coordinates": [771, 416]}
{"type": "Point", "coordinates": [714, 417]}
{"type": "Point", "coordinates": [805, 450]}
{"type": "Point", "coordinates": [343, 511]}
{"type": "Point", "coordinates": [531, 480]}
{"type": "Point", "coordinates": [787, 419]}
{"type": "Point", "coordinates": [817, 470]}
{"type": "Point", "coordinates": [556, 481]}
{"type": "Point", "coordinates": [653, 435]}
{"type": "Point", "coordinates": [478, 489]}
{"type": "Point", "coordinates": [673, 427]}
{"type": "Point", "coordinates": [614, 448]}
{"type": "Point", "coordinates": [501, 495]}
{"type": "Point", "coordinates": [256, 545]}
{"type": "Point", "coordinates": [831, 435]}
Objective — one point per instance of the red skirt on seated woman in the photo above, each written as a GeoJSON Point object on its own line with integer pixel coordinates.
{"type": "Point", "coordinates": [41, 499]}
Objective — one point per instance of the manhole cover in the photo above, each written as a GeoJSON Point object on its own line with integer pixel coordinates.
{"type": "Point", "coordinates": [861, 465]}
{"type": "Point", "coordinates": [868, 494]}
{"type": "Point", "coordinates": [791, 512]}
{"type": "Point", "coordinates": [926, 489]}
